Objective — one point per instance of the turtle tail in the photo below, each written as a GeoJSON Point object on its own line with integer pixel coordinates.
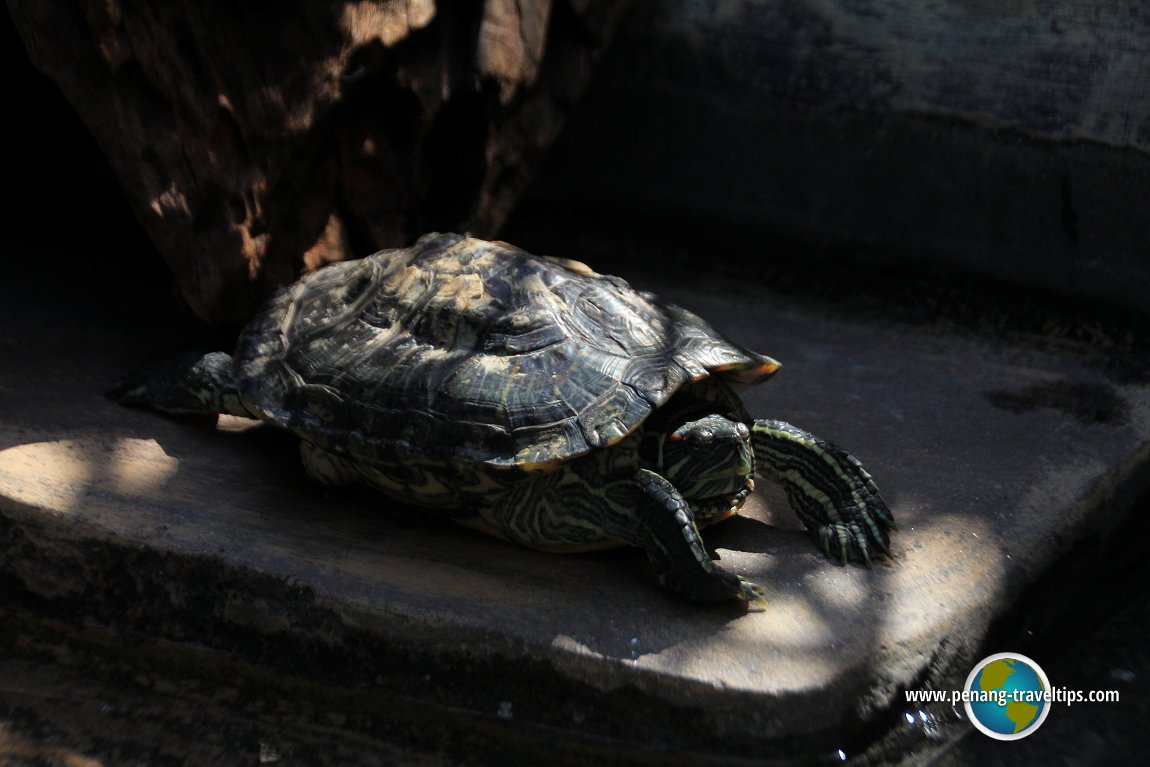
{"type": "Point", "coordinates": [188, 384]}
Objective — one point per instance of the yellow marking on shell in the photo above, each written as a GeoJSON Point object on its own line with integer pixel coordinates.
{"type": "Point", "coordinates": [399, 278]}
{"type": "Point", "coordinates": [577, 267]}
{"type": "Point", "coordinates": [571, 265]}
{"type": "Point", "coordinates": [480, 255]}
{"type": "Point", "coordinates": [542, 466]}
{"type": "Point", "coordinates": [462, 292]}
{"type": "Point", "coordinates": [511, 379]}
{"type": "Point", "coordinates": [764, 369]}
{"type": "Point", "coordinates": [620, 436]}
{"type": "Point", "coordinates": [533, 283]}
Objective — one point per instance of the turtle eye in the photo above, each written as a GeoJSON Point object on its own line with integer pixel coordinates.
{"type": "Point", "coordinates": [742, 430]}
{"type": "Point", "coordinates": [702, 437]}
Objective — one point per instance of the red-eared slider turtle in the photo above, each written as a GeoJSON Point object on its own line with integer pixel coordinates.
{"type": "Point", "coordinates": [528, 397]}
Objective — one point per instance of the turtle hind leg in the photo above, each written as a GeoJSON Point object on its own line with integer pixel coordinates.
{"type": "Point", "coordinates": [188, 384]}
{"type": "Point", "coordinates": [668, 533]}
{"type": "Point", "coordinates": [327, 467]}
{"type": "Point", "coordinates": [828, 488]}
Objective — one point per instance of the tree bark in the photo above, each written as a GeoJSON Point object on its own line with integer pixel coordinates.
{"type": "Point", "coordinates": [255, 144]}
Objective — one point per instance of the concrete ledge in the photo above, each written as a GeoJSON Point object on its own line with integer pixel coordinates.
{"type": "Point", "coordinates": [994, 456]}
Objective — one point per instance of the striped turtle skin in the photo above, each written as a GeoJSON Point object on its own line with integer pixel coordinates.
{"type": "Point", "coordinates": [531, 398]}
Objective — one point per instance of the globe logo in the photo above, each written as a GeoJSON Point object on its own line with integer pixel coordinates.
{"type": "Point", "coordinates": [1007, 696]}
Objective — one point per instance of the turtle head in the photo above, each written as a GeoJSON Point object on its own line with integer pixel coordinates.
{"type": "Point", "coordinates": [708, 457]}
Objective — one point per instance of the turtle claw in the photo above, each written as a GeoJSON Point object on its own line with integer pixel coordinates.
{"type": "Point", "coordinates": [882, 543]}
{"type": "Point", "coordinates": [751, 592]}
{"type": "Point", "coordinates": [842, 542]}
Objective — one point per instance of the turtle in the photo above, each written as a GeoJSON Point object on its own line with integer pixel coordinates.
{"type": "Point", "coordinates": [529, 397]}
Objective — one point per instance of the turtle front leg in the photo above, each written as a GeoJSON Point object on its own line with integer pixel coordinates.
{"type": "Point", "coordinates": [666, 531]}
{"type": "Point", "coordinates": [828, 488]}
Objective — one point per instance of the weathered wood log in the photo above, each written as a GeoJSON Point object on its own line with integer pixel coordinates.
{"type": "Point", "coordinates": [253, 144]}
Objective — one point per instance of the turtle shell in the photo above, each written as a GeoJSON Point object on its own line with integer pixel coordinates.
{"type": "Point", "coordinates": [466, 350]}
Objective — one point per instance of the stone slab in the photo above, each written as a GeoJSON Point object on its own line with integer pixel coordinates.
{"type": "Point", "coordinates": [995, 457]}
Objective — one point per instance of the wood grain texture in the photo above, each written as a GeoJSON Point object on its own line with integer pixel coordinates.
{"type": "Point", "coordinates": [254, 145]}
